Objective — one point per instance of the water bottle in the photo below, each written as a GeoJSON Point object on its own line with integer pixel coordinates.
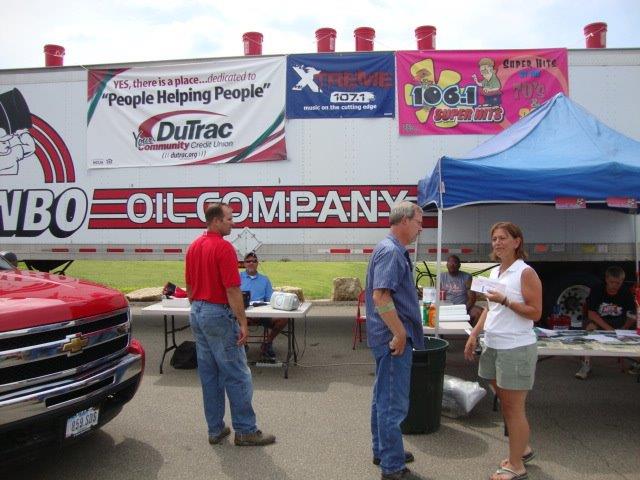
{"type": "Point", "coordinates": [432, 315]}
{"type": "Point", "coordinates": [425, 312]}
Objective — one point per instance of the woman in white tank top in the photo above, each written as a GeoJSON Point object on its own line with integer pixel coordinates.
{"type": "Point", "coordinates": [509, 356]}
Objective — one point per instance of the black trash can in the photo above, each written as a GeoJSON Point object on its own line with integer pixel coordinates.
{"type": "Point", "coordinates": [427, 378]}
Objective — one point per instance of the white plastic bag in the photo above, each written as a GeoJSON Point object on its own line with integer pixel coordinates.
{"type": "Point", "coordinates": [460, 396]}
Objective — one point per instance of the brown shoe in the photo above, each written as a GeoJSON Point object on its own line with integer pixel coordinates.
{"type": "Point", "coordinates": [404, 474]}
{"type": "Point", "coordinates": [214, 440]}
{"type": "Point", "coordinates": [255, 439]}
{"type": "Point", "coordinates": [408, 458]}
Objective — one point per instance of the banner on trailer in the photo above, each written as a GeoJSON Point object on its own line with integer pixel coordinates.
{"type": "Point", "coordinates": [340, 85]}
{"type": "Point", "coordinates": [224, 111]}
{"type": "Point", "coordinates": [474, 92]}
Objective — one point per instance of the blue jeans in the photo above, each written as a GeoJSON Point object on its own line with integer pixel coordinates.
{"type": "Point", "coordinates": [390, 405]}
{"type": "Point", "coordinates": [222, 367]}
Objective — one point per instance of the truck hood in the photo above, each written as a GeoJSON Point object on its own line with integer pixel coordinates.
{"type": "Point", "coordinates": [29, 299]}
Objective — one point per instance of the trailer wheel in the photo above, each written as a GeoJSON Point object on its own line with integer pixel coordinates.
{"type": "Point", "coordinates": [570, 293]}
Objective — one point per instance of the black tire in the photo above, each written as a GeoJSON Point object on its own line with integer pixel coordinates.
{"type": "Point", "coordinates": [568, 290]}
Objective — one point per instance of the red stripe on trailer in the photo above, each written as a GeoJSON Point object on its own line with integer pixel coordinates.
{"type": "Point", "coordinates": [60, 250]}
{"type": "Point", "coordinates": [87, 250]}
{"type": "Point", "coordinates": [541, 248]}
{"type": "Point", "coordinates": [172, 250]}
{"type": "Point", "coordinates": [115, 250]}
{"type": "Point", "coordinates": [367, 250]}
{"type": "Point", "coordinates": [466, 250]}
{"type": "Point", "coordinates": [143, 250]}
{"type": "Point", "coordinates": [429, 222]}
{"type": "Point", "coordinates": [339, 250]}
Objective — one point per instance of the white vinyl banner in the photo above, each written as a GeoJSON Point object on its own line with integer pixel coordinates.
{"type": "Point", "coordinates": [223, 111]}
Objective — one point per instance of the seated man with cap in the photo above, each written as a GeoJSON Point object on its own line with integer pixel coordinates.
{"type": "Point", "coordinates": [260, 288]}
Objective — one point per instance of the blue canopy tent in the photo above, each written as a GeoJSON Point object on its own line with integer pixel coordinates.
{"type": "Point", "coordinates": [558, 150]}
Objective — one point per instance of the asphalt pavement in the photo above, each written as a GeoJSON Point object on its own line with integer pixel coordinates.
{"type": "Point", "coordinates": [320, 416]}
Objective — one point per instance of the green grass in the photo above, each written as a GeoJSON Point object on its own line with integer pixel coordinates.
{"type": "Point", "coordinates": [315, 278]}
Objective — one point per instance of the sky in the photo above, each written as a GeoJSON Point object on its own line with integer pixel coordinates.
{"type": "Point", "coordinates": [119, 31]}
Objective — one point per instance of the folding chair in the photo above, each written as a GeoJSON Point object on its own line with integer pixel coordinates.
{"type": "Point", "coordinates": [361, 318]}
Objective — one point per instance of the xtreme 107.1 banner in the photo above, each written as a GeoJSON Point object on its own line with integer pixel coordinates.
{"type": "Point", "coordinates": [345, 85]}
{"type": "Point", "coordinates": [474, 92]}
{"type": "Point", "coordinates": [224, 111]}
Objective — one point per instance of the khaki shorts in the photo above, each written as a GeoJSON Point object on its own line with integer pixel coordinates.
{"type": "Point", "coordinates": [512, 369]}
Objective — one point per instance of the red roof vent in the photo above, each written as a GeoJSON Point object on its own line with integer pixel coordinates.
{"type": "Point", "coordinates": [426, 37]}
{"type": "Point", "coordinates": [326, 40]}
{"type": "Point", "coordinates": [53, 55]}
{"type": "Point", "coordinates": [364, 39]}
{"type": "Point", "coordinates": [252, 43]}
{"type": "Point", "coordinates": [595, 34]}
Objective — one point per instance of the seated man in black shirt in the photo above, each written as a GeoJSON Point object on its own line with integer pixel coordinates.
{"type": "Point", "coordinates": [610, 307]}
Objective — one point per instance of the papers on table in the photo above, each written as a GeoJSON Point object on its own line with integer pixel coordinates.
{"type": "Point", "coordinates": [605, 337]}
{"type": "Point", "coordinates": [483, 285]}
{"type": "Point", "coordinates": [602, 338]}
{"type": "Point", "coordinates": [175, 302]}
{"type": "Point", "coordinates": [453, 313]}
{"type": "Point", "coordinates": [544, 332]}
{"type": "Point", "coordinates": [627, 334]}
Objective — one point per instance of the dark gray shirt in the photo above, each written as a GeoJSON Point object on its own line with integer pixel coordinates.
{"type": "Point", "coordinates": [455, 286]}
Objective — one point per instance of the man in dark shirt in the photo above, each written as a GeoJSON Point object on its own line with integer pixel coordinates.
{"type": "Point", "coordinates": [219, 327]}
{"type": "Point", "coordinates": [457, 285]}
{"type": "Point", "coordinates": [394, 327]}
{"type": "Point", "coordinates": [609, 308]}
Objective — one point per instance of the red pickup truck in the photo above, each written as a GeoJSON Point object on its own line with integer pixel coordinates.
{"type": "Point", "coordinates": [67, 360]}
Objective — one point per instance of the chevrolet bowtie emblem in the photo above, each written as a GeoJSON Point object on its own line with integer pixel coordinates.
{"type": "Point", "coordinates": [75, 345]}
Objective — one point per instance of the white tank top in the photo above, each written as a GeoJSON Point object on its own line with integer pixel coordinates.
{"type": "Point", "coordinates": [504, 328]}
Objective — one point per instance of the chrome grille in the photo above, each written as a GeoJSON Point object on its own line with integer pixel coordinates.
{"type": "Point", "coordinates": [42, 354]}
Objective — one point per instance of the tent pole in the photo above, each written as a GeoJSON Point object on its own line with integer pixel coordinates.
{"type": "Point", "coordinates": [634, 212]}
{"type": "Point", "coordinates": [439, 245]}
{"type": "Point", "coordinates": [438, 261]}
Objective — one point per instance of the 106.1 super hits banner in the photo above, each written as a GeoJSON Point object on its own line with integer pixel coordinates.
{"type": "Point", "coordinates": [474, 92]}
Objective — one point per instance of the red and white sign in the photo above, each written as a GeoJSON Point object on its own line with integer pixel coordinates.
{"type": "Point", "coordinates": [622, 202]}
{"type": "Point", "coordinates": [570, 203]}
{"type": "Point", "coordinates": [345, 206]}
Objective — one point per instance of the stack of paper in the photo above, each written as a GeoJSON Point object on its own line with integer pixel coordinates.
{"type": "Point", "coordinates": [175, 302]}
{"type": "Point", "coordinates": [453, 313]}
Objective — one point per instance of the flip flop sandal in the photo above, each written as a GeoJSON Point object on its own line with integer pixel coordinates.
{"type": "Point", "coordinates": [528, 457]}
{"type": "Point", "coordinates": [525, 458]}
{"type": "Point", "coordinates": [513, 475]}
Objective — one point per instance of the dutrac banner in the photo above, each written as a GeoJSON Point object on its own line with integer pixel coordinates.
{"type": "Point", "coordinates": [225, 111]}
{"type": "Point", "coordinates": [474, 92]}
{"type": "Point", "coordinates": [340, 85]}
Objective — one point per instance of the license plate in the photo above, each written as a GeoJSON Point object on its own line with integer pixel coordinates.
{"type": "Point", "coordinates": [82, 421]}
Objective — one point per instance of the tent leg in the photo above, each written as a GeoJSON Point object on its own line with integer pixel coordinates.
{"type": "Point", "coordinates": [634, 212]}
{"type": "Point", "coordinates": [438, 262]}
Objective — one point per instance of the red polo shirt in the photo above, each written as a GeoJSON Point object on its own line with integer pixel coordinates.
{"type": "Point", "coordinates": [211, 267]}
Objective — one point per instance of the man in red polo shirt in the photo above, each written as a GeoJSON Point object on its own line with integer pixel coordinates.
{"type": "Point", "coordinates": [219, 327]}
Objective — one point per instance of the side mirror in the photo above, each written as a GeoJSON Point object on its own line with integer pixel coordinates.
{"type": "Point", "coordinates": [10, 257]}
